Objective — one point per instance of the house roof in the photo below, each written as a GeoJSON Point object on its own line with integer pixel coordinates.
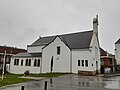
{"type": "Point", "coordinates": [103, 52]}
{"type": "Point", "coordinates": [111, 55]}
{"type": "Point", "coordinates": [11, 50]}
{"type": "Point", "coordinates": [79, 40]}
{"type": "Point", "coordinates": [25, 55]}
{"type": "Point", "coordinates": [118, 42]}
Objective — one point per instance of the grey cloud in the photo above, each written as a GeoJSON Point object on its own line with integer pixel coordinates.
{"type": "Point", "coordinates": [22, 21]}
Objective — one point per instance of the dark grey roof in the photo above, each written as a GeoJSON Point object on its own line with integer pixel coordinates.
{"type": "Point", "coordinates": [103, 52]}
{"type": "Point", "coordinates": [26, 55]}
{"type": "Point", "coordinates": [118, 42]}
{"type": "Point", "coordinates": [43, 40]}
{"type": "Point", "coordinates": [78, 40]}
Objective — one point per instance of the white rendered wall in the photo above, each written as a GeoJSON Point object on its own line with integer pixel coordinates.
{"type": "Point", "coordinates": [34, 49]}
{"type": "Point", "coordinates": [91, 54]}
{"type": "Point", "coordinates": [81, 55]}
{"type": "Point", "coordinates": [18, 69]}
{"type": "Point", "coordinates": [117, 53]}
{"type": "Point", "coordinates": [95, 52]}
{"type": "Point", "coordinates": [61, 63]}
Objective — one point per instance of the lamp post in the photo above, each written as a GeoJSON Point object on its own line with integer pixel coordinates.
{"type": "Point", "coordinates": [3, 71]}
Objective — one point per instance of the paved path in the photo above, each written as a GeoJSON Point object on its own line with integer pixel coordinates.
{"type": "Point", "coordinates": [71, 82]}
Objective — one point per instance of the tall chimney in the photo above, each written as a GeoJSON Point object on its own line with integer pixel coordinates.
{"type": "Point", "coordinates": [95, 25]}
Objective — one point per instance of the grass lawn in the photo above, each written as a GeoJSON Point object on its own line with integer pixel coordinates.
{"type": "Point", "coordinates": [14, 78]}
{"type": "Point", "coordinates": [48, 75]}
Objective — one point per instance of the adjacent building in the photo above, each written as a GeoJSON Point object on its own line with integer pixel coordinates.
{"type": "Point", "coordinates": [10, 51]}
{"type": "Point", "coordinates": [108, 62]}
{"type": "Point", "coordinates": [117, 55]}
{"type": "Point", "coordinates": [69, 53]}
{"type": "Point", "coordinates": [117, 51]}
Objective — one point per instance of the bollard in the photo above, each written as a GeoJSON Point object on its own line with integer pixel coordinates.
{"type": "Point", "coordinates": [45, 87]}
{"type": "Point", "coordinates": [22, 87]}
{"type": "Point", "coordinates": [51, 81]}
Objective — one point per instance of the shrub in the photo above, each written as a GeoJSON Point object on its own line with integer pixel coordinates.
{"type": "Point", "coordinates": [27, 72]}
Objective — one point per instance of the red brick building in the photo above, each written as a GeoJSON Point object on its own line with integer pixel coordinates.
{"type": "Point", "coordinates": [108, 62]}
{"type": "Point", "coordinates": [10, 51]}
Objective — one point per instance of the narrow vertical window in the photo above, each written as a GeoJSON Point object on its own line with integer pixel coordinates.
{"type": "Point", "coordinates": [29, 63]}
{"type": "Point", "coordinates": [14, 61]}
{"type": "Point", "coordinates": [86, 63]}
{"type": "Point", "coordinates": [26, 64]}
{"type": "Point", "coordinates": [38, 63]}
{"type": "Point", "coordinates": [58, 50]}
{"type": "Point", "coordinates": [22, 62]}
{"type": "Point", "coordinates": [35, 61]}
{"type": "Point", "coordinates": [78, 62]}
{"type": "Point", "coordinates": [17, 61]}
{"type": "Point", "coordinates": [83, 63]}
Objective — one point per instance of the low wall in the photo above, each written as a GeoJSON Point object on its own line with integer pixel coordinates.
{"type": "Point", "coordinates": [88, 73]}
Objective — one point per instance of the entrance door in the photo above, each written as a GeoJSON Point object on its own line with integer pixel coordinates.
{"type": "Point", "coordinates": [96, 67]}
{"type": "Point", "coordinates": [51, 68]}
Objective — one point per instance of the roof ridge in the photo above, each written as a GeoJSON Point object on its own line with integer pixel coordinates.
{"type": "Point", "coordinates": [66, 34]}
{"type": "Point", "coordinates": [11, 47]}
{"type": "Point", "coordinates": [118, 41]}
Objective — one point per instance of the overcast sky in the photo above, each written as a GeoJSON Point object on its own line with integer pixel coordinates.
{"type": "Point", "coordinates": [23, 21]}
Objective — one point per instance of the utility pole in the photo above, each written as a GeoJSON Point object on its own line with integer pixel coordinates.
{"type": "Point", "coordinates": [3, 71]}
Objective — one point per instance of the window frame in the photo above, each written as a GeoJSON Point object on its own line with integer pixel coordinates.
{"type": "Point", "coordinates": [82, 63]}
{"type": "Point", "coordinates": [16, 62]}
{"type": "Point", "coordinates": [78, 62]}
{"type": "Point", "coordinates": [86, 63]}
{"type": "Point", "coordinates": [58, 50]}
{"type": "Point", "coordinates": [37, 62]}
{"type": "Point", "coordinates": [21, 62]}
{"type": "Point", "coordinates": [28, 62]}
